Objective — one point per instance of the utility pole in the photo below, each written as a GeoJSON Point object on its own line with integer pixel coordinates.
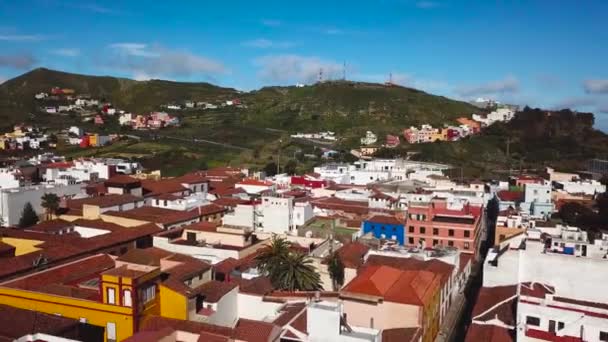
{"type": "Point", "coordinates": [279, 158]}
{"type": "Point", "coordinates": [344, 71]}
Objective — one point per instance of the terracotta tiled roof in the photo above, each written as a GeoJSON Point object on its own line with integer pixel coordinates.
{"type": "Point", "coordinates": [444, 270]}
{"type": "Point", "coordinates": [537, 290]}
{"type": "Point", "coordinates": [51, 226]}
{"type": "Point", "coordinates": [489, 333]}
{"type": "Point", "coordinates": [256, 182]}
{"type": "Point", "coordinates": [155, 323]}
{"type": "Point", "coordinates": [510, 196]}
{"type": "Point", "coordinates": [210, 209]}
{"type": "Point", "coordinates": [352, 254]}
{"type": "Point", "coordinates": [255, 331]}
{"type": "Point", "coordinates": [192, 178]}
{"type": "Point", "coordinates": [394, 285]}
{"type": "Point", "coordinates": [203, 226]}
{"type": "Point", "coordinates": [16, 323]}
{"type": "Point", "coordinates": [156, 215]}
{"type": "Point", "coordinates": [486, 308]}
{"type": "Point", "coordinates": [258, 286]}
{"type": "Point", "coordinates": [230, 201]}
{"type": "Point", "coordinates": [186, 270]}
{"type": "Point", "coordinates": [401, 335]}
{"type": "Point", "coordinates": [163, 186]}
{"type": "Point", "coordinates": [385, 219]}
{"type": "Point", "coordinates": [104, 201]}
{"type": "Point", "coordinates": [214, 290]}
{"type": "Point", "coordinates": [122, 180]}
{"type": "Point", "coordinates": [148, 256]}
{"type": "Point", "coordinates": [289, 312]}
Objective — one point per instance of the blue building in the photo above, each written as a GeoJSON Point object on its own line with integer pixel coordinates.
{"type": "Point", "coordinates": [385, 227]}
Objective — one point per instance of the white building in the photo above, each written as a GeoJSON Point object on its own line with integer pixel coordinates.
{"type": "Point", "coordinates": [275, 215]}
{"type": "Point", "coordinates": [255, 186]}
{"type": "Point", "coordinates": [369, 139]}
{"type": "Point", "coordinates": [537, 199]}
{"type": "Point", "coordinates": [587, 187]}
{"type": "Point", "coordinates": [558, 295]}
{"type": "Point", "coordinates": [13, 200]}
{"type": "Point", "coordinates": [8, 179]}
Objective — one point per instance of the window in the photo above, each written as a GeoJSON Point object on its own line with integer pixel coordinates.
{"type": "Point", "coordinates": [126, 298]}
{"type": "Point", "coordinates": [435, 242]}
{"type": "Point", "coordinates": [451, 243]}
{"type": "Point", "coordinates": [149, 294]}
{"type": "Point", "coordinates": [560, 325]}
{"type": "Point", "coordinates": [534, 321]}
{"type": "Point", "coordinates": [111, 293]}
{"type": "Point", "coordinates": [411, 229]}
{"type": "Point", "coordinates": [82, 320]}
{"type": "Point", "coordinates": [467, 233]}
{"type": "Point", "coordinates": [435, 231]}
{"type": "Point", "coordinates": [111, 331]}
{"type": "Point", "coordinates": [451, 232]}
{"type": "Point", "coordinates": [552, 326]}
{"type": "Point", "coordinates": [603, 336]}
{"type": "Point", "coordinates": [422, 230]}
{"type": "Point", "coordinates": [466, 245]}
{"type": "Point", "coordinates": [410, 240]}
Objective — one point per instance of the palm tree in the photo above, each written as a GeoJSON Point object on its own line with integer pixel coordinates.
{"type": "Point", "coordinates": [297, 273]}
{"type": "Point", "coordinates": [336, 271]}
{"type": "Point", "coordinates": [50, 203]}
{"type": "Point", "coordinates": [272, 256]}
{"type": "Point", "coordinates": [286, 269]}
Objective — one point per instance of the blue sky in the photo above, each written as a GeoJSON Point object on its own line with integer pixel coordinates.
{"type": "Point", "coordinates": [542, 53]}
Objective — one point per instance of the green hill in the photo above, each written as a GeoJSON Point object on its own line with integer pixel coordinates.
{"type": "Point", "coordinates": [17, 95]}
{"type": "Point", "coordinates": [345, 105]}
{"type": "Point", "coordinates": [336, 105]}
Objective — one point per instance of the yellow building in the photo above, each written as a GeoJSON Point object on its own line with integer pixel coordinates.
{"type": "Point", "coordinates": [92, 290]}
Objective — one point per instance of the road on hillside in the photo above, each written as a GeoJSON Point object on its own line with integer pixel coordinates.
{"type": "Point", "coordinates": [188, 140]}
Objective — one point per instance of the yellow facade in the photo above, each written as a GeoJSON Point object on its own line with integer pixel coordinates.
{"type": "Point", "coordinates": [22, 246]}
{"type": "Point", "coordinates": [173, 304]}
{"type": "Point", "coordinates": [93, 139]}
{"type": "Point", "coordinates": [431, 316]}
{"type": "Point", "coordinates": [95, 313]}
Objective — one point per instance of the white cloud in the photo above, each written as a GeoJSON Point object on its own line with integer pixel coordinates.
{"type": "Point", "coordinates": [17, 61]}
{"type": "Point", "coordinates": [67, 52]}
{"type": "Point", "coordinates": [507, 85]}
{"type": "Point", "coordinates": [263, 43]}
{"type": "Point", "coordinates": [156, 61]}
{"type": "Point", "coordinates": [271, 22]}
{"type": "Point", "coordinates": [295, 68]}
{"type": "Point", "coordinates": [427, 4]}
{"type": "Point", "coordinates": [133, 49]}
{"type": "Point", "coordinates": [22, 37]}
{"type": "Point", "coordinates": [597, 86]}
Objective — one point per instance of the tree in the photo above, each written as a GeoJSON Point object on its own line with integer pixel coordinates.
{"type": "Point", "coordinates": [336, 271]}
{"type": "Point", "coordinates": [270, 169]}
{"type": "Point", "coordinates": [50, 203]}
{"type": "Point", "coordinates": [297, 273]}
{"type": "Point", "coordinates": [286, 269]}
{"type": "Point", "coordinates": [290, 167]}
{"type": "Point", "coordinates": [28, 216]}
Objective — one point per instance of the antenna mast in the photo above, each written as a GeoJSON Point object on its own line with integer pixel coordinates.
{"type": "Point", "coordinates": [320, 75]}
{"type": "Point", "coordinates": [344, 72]}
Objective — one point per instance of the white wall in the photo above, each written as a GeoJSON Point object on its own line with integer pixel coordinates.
{"type": "Point", "coordinates": [242, 216]}
{"type": "Point", "coordinates": [211, 255]}
{"type": "Point", "coordinates": [227, 312]}
{"type": "Point", "coordinates": [89, 232]}
{"type": "Point", "coordinates": [276, 215]}
{"type": "Point", "coordinates": [253, 307]}
{"type": "Point", "coordinates": [302, 213]}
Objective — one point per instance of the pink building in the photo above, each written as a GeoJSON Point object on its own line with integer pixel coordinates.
{"type": "Point", "coordinates": [392, 141]}
{"type": "Point", "coordinates": [436, 223]}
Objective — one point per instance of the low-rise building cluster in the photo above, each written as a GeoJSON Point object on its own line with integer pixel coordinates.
{"type": "Point", "coordinates": [154, 120]}
{"type": "Point", "coordinates": [24, 137]}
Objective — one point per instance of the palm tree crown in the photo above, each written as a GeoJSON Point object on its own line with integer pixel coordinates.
{"type": "Point", "coordinates": [50, 203]}
{"type": "Point", "coordinates": [288, 270]}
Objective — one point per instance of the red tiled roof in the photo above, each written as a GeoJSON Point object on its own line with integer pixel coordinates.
{"type": "Point", "coordinates": [255, 331]}
{"type": "Point", "coordinates": [258, 286]}
{"type": "Point", "coordinates": [256, 182]}
{"type": "Point", "coordinates": [214, 290]}
{"type": "Point", "coordinates": [104, 201]}
{"type": "Point", "coordinates": [230, 201]}
{"type": "Point", "coordinates": [16, 323]}
{"type": "Point", "coordinates": [147, 256]}
{"type": "Point", "coordinates": [444, 270]}
{"type": "Point", "coordinates": [486, 307]}
{"type": "Point", "coordinates": [192, 178]}
{"type": "Point", "coordinates": [210, 209]}
{"type": "Point", "coordinates": [511, 196]}
{"type": "Point", "coordinates": [394, 285]}
{"type": "Point", "coordinates": [189, 268]}
{"type": "Point", "coordinates": [352, 254]}
{"type": "Point", "coordinates": [156, 215]}
{"type": "Point", "coordinates": [58, 165]}
{"type": "Point", "coordinates": [401, 335]}
{"type": "Point", "coordinates": [121, 180]}
{"type": "Point", "coordinates": [385, 219]}
{"type": "Point", "coordinates": [489, 333]}
{"type": "Point", "coordinates": [163, 186]}
{"type": "Point", "coordinates": [51, 226]}
{"type": "Point", "coordinates": [203, 226]}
